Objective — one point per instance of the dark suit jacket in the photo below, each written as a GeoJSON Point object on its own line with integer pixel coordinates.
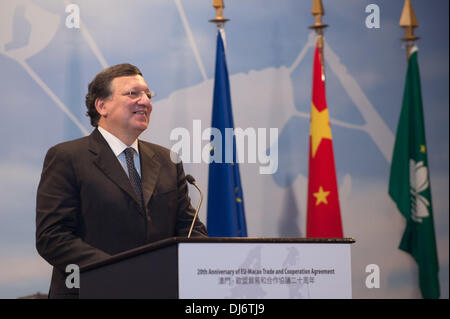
{"type": "Point", "coordinates": [88, 210]}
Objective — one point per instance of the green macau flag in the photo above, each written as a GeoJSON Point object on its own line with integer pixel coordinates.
{"type": "Point", "coordinates": [409, 184]}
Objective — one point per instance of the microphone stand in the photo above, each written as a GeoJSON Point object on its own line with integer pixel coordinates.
{"type": "Point", "coordinates": [191, 180]}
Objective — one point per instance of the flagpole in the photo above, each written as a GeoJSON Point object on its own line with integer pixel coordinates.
{"type": "Point", "coordinates": [226, 211]}
{"type": "Point", "coordinates": [409, 183]}
{"type": "Point", "coordinates": [323, 208]}
{"type": "Point", "coordinates": [318, 11]}
{"type": "Point", "coordinates": [408, 21]}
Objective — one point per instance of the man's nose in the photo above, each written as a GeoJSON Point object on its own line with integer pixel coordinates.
{"type": "Point", "coordinates": [144, 99]}
{"type": "Point", "coordinates": [145, 102]}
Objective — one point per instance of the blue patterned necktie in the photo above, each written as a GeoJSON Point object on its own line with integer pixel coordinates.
{"type": "Point", "coordinates": [135, 179]}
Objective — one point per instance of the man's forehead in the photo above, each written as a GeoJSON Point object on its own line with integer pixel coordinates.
{"type": "Point", "coordinates": [129, 81]}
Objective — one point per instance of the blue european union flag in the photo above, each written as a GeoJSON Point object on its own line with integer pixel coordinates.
{"type": "Point", "coordinates": [226, 214]}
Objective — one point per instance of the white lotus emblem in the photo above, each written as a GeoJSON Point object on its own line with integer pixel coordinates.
{"type": "Point", "coordinates": [419, 182]}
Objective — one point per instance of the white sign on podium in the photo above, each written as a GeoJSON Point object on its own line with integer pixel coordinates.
{"type": "Point", "coordinates": [264, 270]}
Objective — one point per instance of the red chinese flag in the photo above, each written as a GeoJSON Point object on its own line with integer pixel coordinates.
{"type": "Point", "coordinates": [323, 216]}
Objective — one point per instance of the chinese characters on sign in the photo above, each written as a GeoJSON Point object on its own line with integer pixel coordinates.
{"type": "Point", "coordinates": [265, 276]}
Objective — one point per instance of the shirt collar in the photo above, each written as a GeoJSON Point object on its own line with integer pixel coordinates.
{"type": "Point", "coordinates": [115, 143]}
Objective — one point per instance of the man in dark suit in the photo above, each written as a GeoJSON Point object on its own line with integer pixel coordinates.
{"type": "Point", "coordinates": [109, 192]}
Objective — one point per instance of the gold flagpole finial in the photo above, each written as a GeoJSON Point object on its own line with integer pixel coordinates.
{"type": "Point", "coordinates": [218, 6]}
{"type": "Point", "coordinates": [408, 21]}
{"type": "Point", "coordinates": [318, 26]}
{"type": "Point", "coordinates": [318, 11]}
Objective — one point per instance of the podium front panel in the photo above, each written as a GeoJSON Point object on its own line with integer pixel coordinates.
{"type": "Point", "coordinates": [264, 270]}
{"type": "Point", "coordinates": [151, 275]}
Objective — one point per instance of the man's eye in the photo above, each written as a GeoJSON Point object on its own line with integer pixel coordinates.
{"type": "Point", "coordinates": [133, 94]}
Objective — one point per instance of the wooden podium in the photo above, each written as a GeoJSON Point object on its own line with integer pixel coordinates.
{"type": "Point", "coordinates": [218, 268]}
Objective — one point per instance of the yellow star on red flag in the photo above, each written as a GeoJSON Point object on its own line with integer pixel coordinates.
{"type": "Point", "coordinates": [321, 196]}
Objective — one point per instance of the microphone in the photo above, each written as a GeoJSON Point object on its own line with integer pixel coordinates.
{"type": "Point", "coordinates": [191, 181]}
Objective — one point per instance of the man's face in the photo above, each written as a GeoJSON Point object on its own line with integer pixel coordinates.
{"type": "Point", "coordinates": [125, 114]}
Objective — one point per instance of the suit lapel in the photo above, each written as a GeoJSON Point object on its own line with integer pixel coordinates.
{"type": "Point", "coordinates": [107, 162]}
{"type": "Point", "coordinates": [149, 170]}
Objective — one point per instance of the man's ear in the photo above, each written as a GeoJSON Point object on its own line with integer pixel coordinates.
{"type": "Point", "coordinates": [100, 107]}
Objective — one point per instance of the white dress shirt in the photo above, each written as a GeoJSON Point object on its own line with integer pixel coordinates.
{"type": "Point", "coordinates": [118, 147]}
